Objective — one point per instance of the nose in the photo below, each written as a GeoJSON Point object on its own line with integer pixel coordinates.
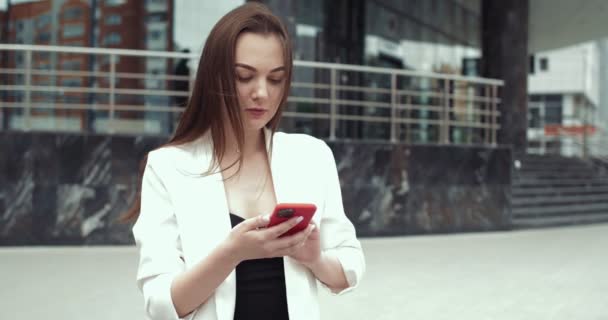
{"type": "Point", "coordinates": [261, 90]}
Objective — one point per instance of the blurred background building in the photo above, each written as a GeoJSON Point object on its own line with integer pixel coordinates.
{"type": "Point", "coordinates": [438, 36]}
{"type": "Point", "coordinates": [443, 115]}
{"type": "Point", "coordinates": [124, 24]}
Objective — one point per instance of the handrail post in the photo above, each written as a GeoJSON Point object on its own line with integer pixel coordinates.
{"type": "Point", "coordinates": [408, 117]}
{"type": "Point", "coordinates": [394, 102]}
{"type": "Point", "coordinates": [112, 97]}
{"type": "Point", "coordinates": [333, 107]}
{"type": "Point", "coordinates": [444, 130]}
{"type": "Point", "coordinates": [493, 120]}
{"type": "Point", "coordinates": [543, 144]}
{"type": "Point", "coordinates": [27, 112]}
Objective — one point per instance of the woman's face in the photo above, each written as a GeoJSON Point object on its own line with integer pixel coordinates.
{"type": "Point", "coordinates": [260, 78]}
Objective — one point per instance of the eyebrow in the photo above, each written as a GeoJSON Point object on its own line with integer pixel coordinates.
{"type": "Point", "coordinates": [242, 65]}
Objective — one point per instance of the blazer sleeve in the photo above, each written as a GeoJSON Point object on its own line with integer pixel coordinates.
{"type": "Point", "coordinates": [160, 253]}
{"type": "Point", "coordinates": [338, 236]}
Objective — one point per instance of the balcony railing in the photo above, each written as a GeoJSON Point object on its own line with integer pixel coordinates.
{"type": "Point", "coordinates": [117, 91]}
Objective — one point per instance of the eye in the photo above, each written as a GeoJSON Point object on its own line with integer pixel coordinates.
{"type": "Point", "coordinates": [275, 81]}
{"type": "Point", "coordinates": [243, 79]}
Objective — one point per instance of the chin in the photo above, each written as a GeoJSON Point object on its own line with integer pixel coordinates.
{"type": "Point", "coordinates": [256, 124]}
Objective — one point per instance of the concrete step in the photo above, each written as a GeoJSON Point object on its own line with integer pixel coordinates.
{"type": "Point", "coordinates": [572, 219]}
{"type": "Point", "coordinates": [531, 182]}
{"type": "Point", "coordinates": [552, 166]}
{"type": "Point", "coordinates": [559, 210]}
{"type": "Point", "coordinates": [558, 199]}
{"type": "Point", "coordinates": [557, 175]}
{"type": "Point", "coordinates": [560, 191]}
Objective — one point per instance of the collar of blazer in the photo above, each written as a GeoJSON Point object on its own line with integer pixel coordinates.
{"type": "Point", "coordinates": [195, 157]}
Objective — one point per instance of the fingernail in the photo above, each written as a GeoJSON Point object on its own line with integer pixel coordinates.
{"type": "Point", "coordinates": [299, 219]}
{"type": "Point", "coordinates": [313, 227]}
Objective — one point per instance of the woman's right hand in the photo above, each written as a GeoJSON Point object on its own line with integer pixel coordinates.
{"type": "Point", "coordinates": [251, 239]}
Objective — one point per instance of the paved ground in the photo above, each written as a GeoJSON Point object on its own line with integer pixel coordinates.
{"type": "Point", "coordinates": [536, 274]}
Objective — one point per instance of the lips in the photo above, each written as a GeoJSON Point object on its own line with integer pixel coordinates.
{"type": "Point", "coordinates": [256, 112]}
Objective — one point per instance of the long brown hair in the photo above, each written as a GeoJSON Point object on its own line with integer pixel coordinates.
{"type": "Point", "coordinates": [215, 89]}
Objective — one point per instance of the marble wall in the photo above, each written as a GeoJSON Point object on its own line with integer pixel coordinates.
{"type": "Point", "coordinates": [67, 189]}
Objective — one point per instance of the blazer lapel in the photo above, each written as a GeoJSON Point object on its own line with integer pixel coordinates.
{"type": "Point", "coordinates": [204, 214]}
{"type": "Point", "coordinates": [204, 221]}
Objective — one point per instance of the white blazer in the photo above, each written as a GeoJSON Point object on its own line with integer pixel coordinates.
{"type": "Point", "coordinates": [184, 216]}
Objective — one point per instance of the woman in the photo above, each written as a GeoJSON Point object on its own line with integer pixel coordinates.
{"type": "Point", "coordinates": [205, 249]}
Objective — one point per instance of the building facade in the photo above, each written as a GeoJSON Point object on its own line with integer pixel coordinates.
{"type": "Point", "coordinates": [441, 36]}
{"type": "Point", "coordinates": [88, 23]}
{"type": "Point", "coordinates": [564, 91]}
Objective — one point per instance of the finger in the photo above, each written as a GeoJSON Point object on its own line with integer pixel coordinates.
{"type": "Point", "coordinates": [275, 231]}
{"type": "Point", "coordinates": [291, 241]}
{"type": "Point", "coordinates": [314, 234]}
{"type": "Point", "coordinates": [260, 221]}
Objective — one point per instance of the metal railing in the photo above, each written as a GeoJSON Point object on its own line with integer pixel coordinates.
{"type": "Point", "coordinates": [117, 91]}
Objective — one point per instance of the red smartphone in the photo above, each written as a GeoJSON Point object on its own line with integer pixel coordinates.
{"type": "Point", "coordinates": [285, 211]}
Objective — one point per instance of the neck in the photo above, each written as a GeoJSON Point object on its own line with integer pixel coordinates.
{"type": "Point", "coordinates": [254, 142]}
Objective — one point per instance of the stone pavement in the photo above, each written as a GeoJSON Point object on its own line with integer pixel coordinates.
{"type": "Point", "coordinates": [558, 273]}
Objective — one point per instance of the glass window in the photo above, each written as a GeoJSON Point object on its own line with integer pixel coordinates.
{"type": "Point", "coordinates": [74, 44]}
{"type": "Point", "coordinates": [43, 37]}
{"type": "Point", "coordinates": [42, 21]}
{"type": "Point", "coordinates": [112, 3]}
{"type": "Point", "coordinates": [156, 17]}
{"type": "Point", "coordinates": [113, 19]}
{"type": "Point", "coordinates": [42, 55]}
{"type": "Point", "coordinates": [155, 34]}
{"type": "Point", "coordinates": [553, 114]}
{"type": "Point", "coordinates": [309, 12]}
{"type": "Point", "coordinates": [554, 98]}
{"type": "Point", "coordinates": [71, 65]}
{"type": "Point", "coordinates": [71, 82]}
{"type": "Point", "coordinates": [534, 118]}
{"type": "Point", "coordinates": [73, 30]}
{"type": "Point", "coordinates": [72, 99]}
{"type": "Point", "coordinates": [544, 64]}
{"type": "Point", "coordinates": [72, 13]}
{"type": "Point", "coordinates": [111, 39]}
{"type": "Point", "coordinates": [103, 60]}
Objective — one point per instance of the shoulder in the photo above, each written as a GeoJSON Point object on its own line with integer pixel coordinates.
{"type": "Point", "coordinates": [189, 156]}
{"type": "Point", "coordinates": [304, 147]}
{"type": "Point", "coordinates": [299, 142]}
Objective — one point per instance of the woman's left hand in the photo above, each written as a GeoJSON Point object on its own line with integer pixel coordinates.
{"type": "Point", "coordinates": [310, 250]}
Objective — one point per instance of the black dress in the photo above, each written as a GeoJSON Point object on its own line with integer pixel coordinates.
{"type": "Point", "coordinates": [260, 287]}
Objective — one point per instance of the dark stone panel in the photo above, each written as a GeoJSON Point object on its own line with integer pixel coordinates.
{"type": "Point", "coordinates": [143, 145]}
{"type": "Point", "coordinates": [44, 212]}
{"type": "Point", "coordinates": [16, 218]}
{"type": "Point", "coordinates": [97, 163]}
{"type": "Point", "coordinates": [456, 209]}
{"type": "Point", "coordinates": [46, 164]}
{"type": "Point", "coordinates": [427, 210]}
{"type": "Point", "coordinates": [121, 197]}
{"type": "Point", "coordinates": [82, 215]}
{"type": "Point", "coordinates": [361, 165]}
{"type": "Point", "coordinates": [18, 157]}
{"type": "Point", "coordinates": [432, 165]}
{"type": "Point", "coordinates": [387, 189]}
{"type": "Point", "coordinates": [124, 164]}
{"type": "Point", "coordinates": [71, 156]}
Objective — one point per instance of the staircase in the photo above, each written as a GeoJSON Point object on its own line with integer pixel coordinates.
{"type": "Point", "coordinates": [551, 190]}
